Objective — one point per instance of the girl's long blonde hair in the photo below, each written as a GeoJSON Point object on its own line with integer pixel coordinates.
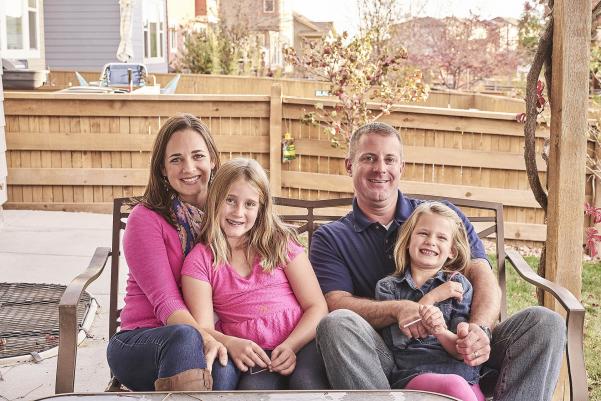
{"type": "Point", "coordinates": [269, 237]}
{"type": "Point", "coordinates": [459, 238]}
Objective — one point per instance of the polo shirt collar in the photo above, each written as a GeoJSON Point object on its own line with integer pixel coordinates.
{"type": "Point", "coordinates": [360, 220]}
{"type": "Point", "coordinates": [404, 208]}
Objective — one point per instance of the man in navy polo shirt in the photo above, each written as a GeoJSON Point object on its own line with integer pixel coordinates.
{"type": "Point", "coordinates": [350, 255]}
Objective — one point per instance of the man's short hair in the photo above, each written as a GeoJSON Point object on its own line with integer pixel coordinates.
{"type": "Point", "coordinates": [377, 128]}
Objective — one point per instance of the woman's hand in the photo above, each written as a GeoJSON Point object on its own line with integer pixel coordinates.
{"type": "Point", "coordinates": [432, 319]}
{"type": "Point", "coordinates": [450, 289]}
{"type": "Point", "coordinates": [213, 350]}
{"type": "Point", "coordinates": [283, 359]}
{"type": "Point", "coordinates": [246, 354]}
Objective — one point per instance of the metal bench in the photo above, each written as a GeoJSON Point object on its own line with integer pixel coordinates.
{"type": "Point", "coordinates": [307, 216]}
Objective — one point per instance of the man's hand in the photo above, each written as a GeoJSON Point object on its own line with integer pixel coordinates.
{"type": "Point", "coordinates": [283, 360]}
{"type": "Point", "coordinates": [432, 319]}
{"type": "Point", "coordinates": [472, 344]}
{"type": "Point", "coordinates": [213, 350]}
{"type": "Point", "coordinates": [450, 289]}
{"type": "Point", "coordinates": [410, 321]}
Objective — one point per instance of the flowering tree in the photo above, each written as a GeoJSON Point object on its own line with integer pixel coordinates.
{"type": "Point", "coordinates": [377, 17]}
{"type": "Point", "coordinates": [230, 46]}
{"type": "Point", "coordinates": [530, 26]}
{"type": "Point", "coordinates": [199, 55]}
{"type": "Point", "coordinates": [457, 51]}
{"type": "Point", "coordinates": [356, 77]}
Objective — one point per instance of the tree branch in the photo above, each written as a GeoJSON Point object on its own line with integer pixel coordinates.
{"type": "Point", "coordinates": [543, 54]}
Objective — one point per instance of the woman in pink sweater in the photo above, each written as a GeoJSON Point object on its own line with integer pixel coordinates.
{"type": "Point", "coordinates": [160, 346]}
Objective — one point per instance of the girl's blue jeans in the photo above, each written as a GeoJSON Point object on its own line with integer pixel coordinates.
{"type": "Point", "coordinates": [139, 357]}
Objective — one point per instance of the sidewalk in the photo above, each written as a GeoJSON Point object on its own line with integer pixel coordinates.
{"type": "Point", "coordinates": [53, 247]}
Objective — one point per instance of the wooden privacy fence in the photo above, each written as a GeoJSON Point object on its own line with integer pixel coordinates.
{"type": "Point", "coordinates": [77, 152]}
{"type": "Point", "coordinates": [248, 85]}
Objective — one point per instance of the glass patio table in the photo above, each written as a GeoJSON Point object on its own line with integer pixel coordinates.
{"type": "Point", "coordinates": [333, 395]}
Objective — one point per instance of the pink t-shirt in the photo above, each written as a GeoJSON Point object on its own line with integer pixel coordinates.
{"type": "Point", "coordinates": [261, 307]}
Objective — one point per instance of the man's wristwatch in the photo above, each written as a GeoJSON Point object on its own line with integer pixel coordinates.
{"type": "Point", "coordinates": [486, 331]}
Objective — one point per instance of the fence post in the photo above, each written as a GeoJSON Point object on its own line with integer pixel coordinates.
{"type": "Point", "coordinates": [275, 140]}
{"type": "Point", "coordinates": [3, 163]}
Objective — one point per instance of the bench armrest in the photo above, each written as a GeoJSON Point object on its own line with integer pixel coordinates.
{"type": "Point", "coordinates": [574, 323]}
{"type": "Point", "coordinates": [67, 312]}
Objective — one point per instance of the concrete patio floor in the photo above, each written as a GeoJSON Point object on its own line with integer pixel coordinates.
{"type": "Point", "coordinates": [53, 247]}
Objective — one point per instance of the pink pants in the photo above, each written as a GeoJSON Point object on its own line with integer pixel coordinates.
{"type": "Point", "coordinates": [449, 384]}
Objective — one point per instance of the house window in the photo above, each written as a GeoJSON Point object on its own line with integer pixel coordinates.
{"type": "Point", "coordinates": [268, 6]}
{"type": "Point", "coordinates": [154, 29]}
{"type": "Point", "coordinates": [19, 28]}
{"type": "Point", "coordinates": [173, 39]}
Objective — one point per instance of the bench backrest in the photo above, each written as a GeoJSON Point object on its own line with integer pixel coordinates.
{"type": "Point", "coordinates": [308, 215]}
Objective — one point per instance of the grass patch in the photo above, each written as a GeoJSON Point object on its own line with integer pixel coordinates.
{"type": "Point", "coordinates": [521, 294]}
{"type": "Point", "coordinates": [591, 298]}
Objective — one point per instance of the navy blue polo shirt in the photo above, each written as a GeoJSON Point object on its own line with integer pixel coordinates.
{"type": "Point", "coordinates": [353, 253]}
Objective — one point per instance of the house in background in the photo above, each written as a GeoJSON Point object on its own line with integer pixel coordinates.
{"type": "Point", "coordinates": [22, 32]}
{"type": "Point", "coordinates": [507, 31]}
{"type": "Point", "coordinates": [85, 35]}
{"type": "Point", "coordinates": [22, 42]}
{"type": "Point", "coordinates": [183, 15]}
{"type": "Point", "coordinates": [269, 23]}
{"type": "Point", "coordinates": [456, 53]}
{"type": "Point", "coordinates": [306, 30]}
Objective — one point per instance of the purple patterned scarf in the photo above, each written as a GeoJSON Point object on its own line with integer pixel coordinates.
{"type": "Point", "coordinates": [187, 219]}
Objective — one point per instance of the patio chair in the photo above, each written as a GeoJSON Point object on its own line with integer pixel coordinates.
{"type": "Point", "coordinates": [307, 216]}
{"type": "Point", "coordinates": [82, 81]}
{"type": "Point", "coordinates": [171, 87]}
{"type": "Point", "coordinates": [118, 75]}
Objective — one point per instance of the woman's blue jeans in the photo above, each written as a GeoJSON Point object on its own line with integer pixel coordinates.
{"type": "Point", "coordinates": [139, 357]}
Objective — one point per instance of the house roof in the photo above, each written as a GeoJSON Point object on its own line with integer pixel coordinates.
{"type": "Point", "coordinates": [508, 20]}
{"type": "Point", "coordinates": [320, 27]}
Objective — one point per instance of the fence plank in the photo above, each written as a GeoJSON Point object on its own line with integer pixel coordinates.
{"type": "Point", "coordinates": [434, 119]}
{"type": "Point", "coordinates": [44, 104]}
{"type": "Point", "coordinates": [100, 207]}
{"type": "Point", "coordinates": [275, 141]}
{"type": "Point", "coordinates": [79, 177]}
{"type": "Point", "coordinates": [344, 184]}
{"type": "Point", "coordinates": [107, 142]}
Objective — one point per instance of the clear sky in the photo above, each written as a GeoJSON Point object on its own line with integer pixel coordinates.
{"type": "Point", "coordinates": [345, 16]}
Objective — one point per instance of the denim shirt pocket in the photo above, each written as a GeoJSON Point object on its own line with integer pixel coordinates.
{"type": "Point", "coordinates": [446, 307]}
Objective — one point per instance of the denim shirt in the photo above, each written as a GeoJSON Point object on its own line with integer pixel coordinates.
{"type": "Point", "coordinates": [426, 355]}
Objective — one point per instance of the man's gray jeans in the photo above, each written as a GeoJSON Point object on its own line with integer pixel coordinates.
{"type": "Point", "coordinates": [526, 350]}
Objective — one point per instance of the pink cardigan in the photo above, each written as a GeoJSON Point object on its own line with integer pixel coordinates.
{"type": "Point", "coordinates": [154, 255]}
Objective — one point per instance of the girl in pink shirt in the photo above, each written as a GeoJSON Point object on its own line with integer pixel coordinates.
{"type": "Point", "coordinates": [250, 269]}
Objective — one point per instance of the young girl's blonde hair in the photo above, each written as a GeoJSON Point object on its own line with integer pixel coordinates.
{"type": "Point", "coordinates": [269, 237]}
{"type": "Point", "coordinates": [460, 244]}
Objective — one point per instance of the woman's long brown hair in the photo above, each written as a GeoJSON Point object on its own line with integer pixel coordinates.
{"type": "Point", "coordinates": [158, 196]}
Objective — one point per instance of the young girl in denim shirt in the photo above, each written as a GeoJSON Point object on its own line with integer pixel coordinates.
{"type": "Point", "coordinates": [431, 251]}
{"type": "Point", "coordinates": [251, 270]}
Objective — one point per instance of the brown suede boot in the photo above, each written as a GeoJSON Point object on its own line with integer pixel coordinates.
{"type": "Point", "coordinates": [188, 380]}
